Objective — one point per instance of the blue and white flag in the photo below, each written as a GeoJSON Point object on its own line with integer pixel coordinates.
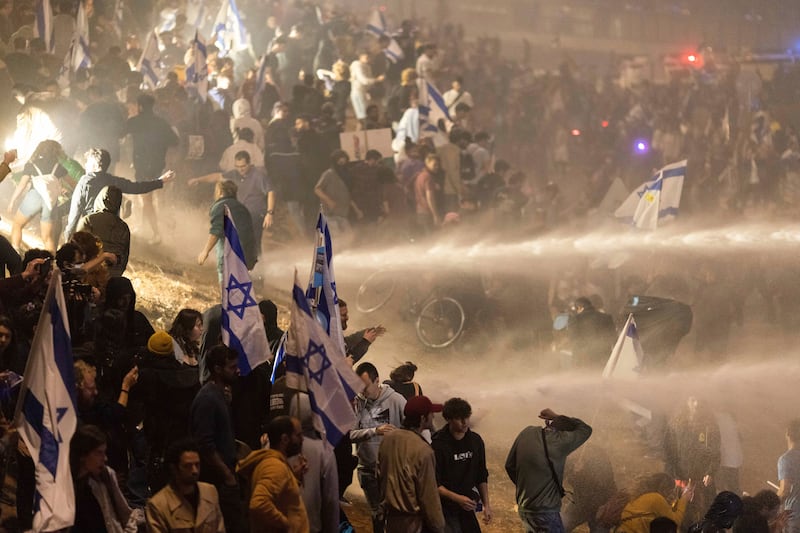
{"type": "Point", "coordinates": [46, 412]}
{"type": "Point", "coordinates": [627, 356]}
{"type": "Point", "coordinates": [242, 327]}
{"type": "Point", "coordinates": [150, 62]}
{"type": "Point", "coordinates": [432, 108]}
{"type": "Point", "coordinates": [197, 70]}
{"type": "Point", "coordinates": [230, 35]}
{"type": "Point", "coordinates": [80, 40]}
{"type": "Point", "coordinates": [378, 27]}
{"type": "Point", "coordinates": [321, 292]}
{"type": "Point", "coordinates": [657, 200]}
{"type": "Point", "coordinates": [167, 20]}
{"type": "Point", "coordinates": [66, 67]}
{"type": "Point", "coordinates": [316, 364]}
{"type": "Point", "coordinates": [43, 29]}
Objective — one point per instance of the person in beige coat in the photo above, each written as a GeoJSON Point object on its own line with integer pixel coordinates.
{"type": "Point", "coordinates": [184, 504]}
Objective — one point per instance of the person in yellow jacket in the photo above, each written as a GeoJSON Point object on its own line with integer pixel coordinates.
{"type": "Point", "coordinates": [653, 499]}
{"type": "Point", "coordinates": [276, 504]}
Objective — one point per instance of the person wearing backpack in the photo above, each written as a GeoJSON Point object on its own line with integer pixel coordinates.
{"type": "Point", "coordinates": [653, 498]}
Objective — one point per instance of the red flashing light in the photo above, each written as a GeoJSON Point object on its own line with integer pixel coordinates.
{"type": "Point", "coordinates": [692, 58]}
{"type": "Point", "coordinates": [575, 132]}
{"type": "Point", "coordinates": [604, 124]}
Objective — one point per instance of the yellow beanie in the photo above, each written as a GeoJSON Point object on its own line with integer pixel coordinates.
{"type": "Point", "coordinates": [160, 343]}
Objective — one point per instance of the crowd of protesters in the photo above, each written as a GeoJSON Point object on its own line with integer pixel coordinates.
{"type": "Point", "coordinates": [519, 152]}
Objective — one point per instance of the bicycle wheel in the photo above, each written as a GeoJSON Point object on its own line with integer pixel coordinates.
{"type": "Point", "coordinates": [375, 291]}
{"type": "Point", "coordinates": [440, 322]}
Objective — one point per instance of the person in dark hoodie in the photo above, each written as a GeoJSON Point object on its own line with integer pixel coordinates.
{"type": "Point", "coordinates": [120, 295]}
{"type": "Point", "coordinates": [106, 224]}
{"type": "Point", "coordinates": [166, 389]}
{"type": "Point", "coordinates": [91, 184]}
{"type": "Point", "coordinates": [722, 514]}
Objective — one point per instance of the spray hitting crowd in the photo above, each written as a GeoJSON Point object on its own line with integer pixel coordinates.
{"type": "Point", "coordinates": [284, 106]}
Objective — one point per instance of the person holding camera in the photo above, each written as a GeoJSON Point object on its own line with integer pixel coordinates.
{"type": "Point", "coordinates": [535, 465]}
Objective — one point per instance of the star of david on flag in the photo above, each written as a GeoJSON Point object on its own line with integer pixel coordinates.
{"type": "Point", "coordinates": [321, 292]}
{"type": "Point", "coordinates": [315, 363]}
{"type": "Point", "coordinates": [655, 201]}
{"type": "Point", "coordinates": [46, 412]}
{"type": "Point", "coordinates": [242, 328]}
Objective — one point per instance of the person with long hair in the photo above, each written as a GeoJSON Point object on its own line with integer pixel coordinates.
{"type": "Point", "coordinates": [186, 331]}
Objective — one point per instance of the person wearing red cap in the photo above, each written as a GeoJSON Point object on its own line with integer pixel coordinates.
{"type": "Point", "coordinates": [407, 473]}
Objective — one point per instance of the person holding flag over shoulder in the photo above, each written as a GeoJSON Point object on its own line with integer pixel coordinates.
{"type": "Point", "coordinates": [656, 201]}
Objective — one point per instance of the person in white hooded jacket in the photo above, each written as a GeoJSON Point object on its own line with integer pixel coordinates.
{"type": "Point", "coordinates": [379, 410]}
{"type": "Point", "coordinates": [243, 118]}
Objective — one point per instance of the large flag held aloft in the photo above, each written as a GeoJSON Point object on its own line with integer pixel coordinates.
{"type": "Point", "coordinates": [657, 200]}
{"type": "Point", "coordinates": [230, 34]}
{"type": "Point", "coordinates": [321, 293]}
{"type": "Point", "coordinates": [315, 363]}
{"type": "Point", "coordinates": [378, 27]}
{"type": "Point", "coordinates": [242, 328]}
{"type": "Point", "coordinates": [627, 356]}
{"type": "Point", "coordinates": [80, 41]}
{"type": "Point", "coordinates": [46, 412]}
{"type": "Point", "coordinates": [197, 70]}
{"type": "Point", "coordinates": [150, 62]}
{"type": "Point", "coordinates": [432, 108]}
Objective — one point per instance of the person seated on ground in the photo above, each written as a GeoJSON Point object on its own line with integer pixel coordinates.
{"type": "Point", "coordinates": [401, 379]}
{"type": "Point", "coordinates": [653, 498]}
{"type": "Point", "coordinates": [723, 513]}
{"type": "Point", "coordinates": [106, 224]}
{"type": "Point", "coordinates": [186, 331]}
{"type": "Point", "coordinates": [99, 503]}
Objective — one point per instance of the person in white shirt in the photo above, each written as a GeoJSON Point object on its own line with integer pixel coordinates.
{"type": "Point", "coordinates": [426, 63]}
{"type": "Point", "coordinates": [360, 81]}
{"type": "Point", "coordinates": [457, 95]}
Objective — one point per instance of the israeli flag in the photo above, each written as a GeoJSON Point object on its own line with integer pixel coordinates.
{"type": "Point", "coordinates": [150, 62]}
{"type": "Point", "coordinates": [321, 292]}
{"type": "Point", "coordinates": [46, 413]}
{"type": "Point", "coordinates": [167, 19]}
{"type": "Point", "coordinates": [66, 67]}
{"type": "Point", "coordinates": [627, 357]}
{"type": "Point", "coordinates": [230, 34]}
{"type": "Point", "coordinates": [80, 40]}
{"type": "Point", "coordinates": [43, 29]}
{"type": "Point", "coordinates": [316, 364]}
{"type": "Point", "coordinates": [378, 27]}
{"type": "Point", "coordinates": [657, 200]}
{"type": "Point", "coordinates": [432, 108]}
{"type": "Point", "coordinates": [197, 70]}
{"type": "Point", "coordinates": [242, 328]}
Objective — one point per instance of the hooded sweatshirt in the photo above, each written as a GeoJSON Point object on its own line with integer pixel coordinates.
{"type": "Point", "coordinates": [242, 118]}
{"type": "Point", "coordinates": [106, 225]}
{"type": "Point", "coordinates": [275, 500]}
{"type": "Point", "coordinates": [387, 409]}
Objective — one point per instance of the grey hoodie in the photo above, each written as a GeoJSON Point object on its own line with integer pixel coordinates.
{"type": "Point", "coordinates": [387, 409]}
{"type": "Point", "coordinates": [242, 118]}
